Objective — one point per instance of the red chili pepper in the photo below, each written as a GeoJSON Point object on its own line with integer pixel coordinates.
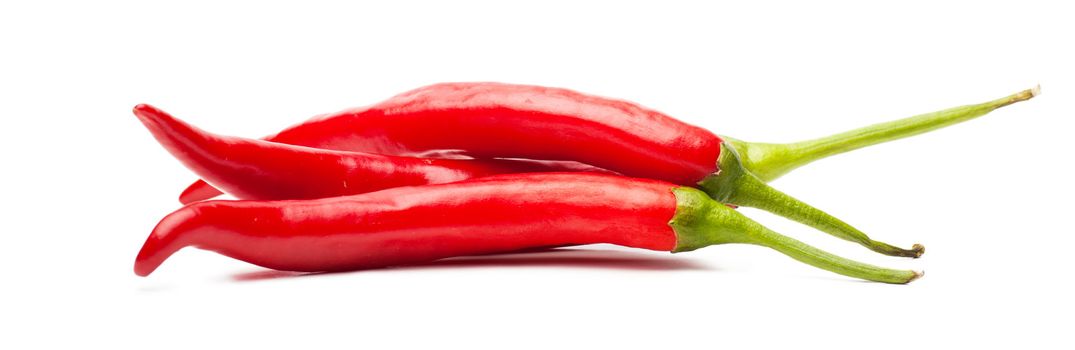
{"type": "Point", "coordinates": [255, 169]}
{"type": "Point", "coordinates": [490, 120]}
{"type": "Point", "coordinates": [252, 169]}
{"type": "Point", "coordinates": [503, 213]}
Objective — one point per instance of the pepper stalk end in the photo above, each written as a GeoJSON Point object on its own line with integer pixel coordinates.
{"type": "Point", "coordinates": [734, 184]}
{"type": "Point", "coordinates": [700, 221]}
{"type": "Point", "coordinates": [917, 275]}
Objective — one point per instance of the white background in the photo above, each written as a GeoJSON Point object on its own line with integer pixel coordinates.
{"type": "Point", "coordinates": [83, 182]}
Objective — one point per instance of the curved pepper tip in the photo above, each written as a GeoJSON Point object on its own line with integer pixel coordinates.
{"type": "Point", "coordinates": [146, 114]}
{"type": "Point", "coordinates": [143, 270]}
{"type": "Point", "coordinates": [151, 255]}
{"type": "Point", "coordinates": [143, 110]}
{"type": "Point", "coordinates": [198, 191]}
{"type": "Point", "coordinates": [147, 260]}
{"type": "Point", "coordinates": [171, 234]}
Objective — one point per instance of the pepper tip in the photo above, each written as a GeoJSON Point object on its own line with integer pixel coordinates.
{"type": "Point", "coordinates": [142, 271]}
{"type": "Point", "coordinates": [148, 258]}
{"type": "Point", "coordinates": [198, 191]}
{"type": "Point", "coordinates": [144, 113]}
{"type": "Point", "coordinates": [140, 108]}
{"type": "Point", "coordinates": [167, 237]}
{"type": "Point", "coordinates": [1035, 91]}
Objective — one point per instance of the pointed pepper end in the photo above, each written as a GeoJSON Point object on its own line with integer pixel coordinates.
{"type": "Point", "coordinates": [142, 269]}
{"type": "Point", "coordinates": [198, 191]}
{"type": "Point", "coordinates": [144, 111]}
{"type": "Point", "coordinates": [150, 257]}
{"type": "Point", "coordinates": [170, 234]}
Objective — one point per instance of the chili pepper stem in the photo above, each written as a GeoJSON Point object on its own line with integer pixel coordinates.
{"type": "Point", "coordinates": [701, 222]}
{"type": "Point", "coordinates": [769, 161]}
{"type": "Point", "coordinates": [821, 259]}
{"type": "Point", "coordinates": [733, 184]}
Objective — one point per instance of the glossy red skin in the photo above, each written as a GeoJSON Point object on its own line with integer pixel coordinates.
{"type": "Point", "coordinates": [407, 225]}
{"type": "Point", "coordinates": [493, 120]}
{"type": "Point", "coordinates": [255, 169]}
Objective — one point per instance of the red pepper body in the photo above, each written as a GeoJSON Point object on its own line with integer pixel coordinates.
{"type": "Point", "coordinates": [493, 120]}
{"type": "Point", "coordinates": [255, 169]}
{"type": "Point", "coordinates": [407, 225]}
{"type": "Point", "coordinates": [495, 214]}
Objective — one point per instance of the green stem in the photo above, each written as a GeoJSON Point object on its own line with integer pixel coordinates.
{"type": "Point", "coordinates": [733, 184]}
{"type": "Point", "coordinates": [769, 160]}
{"type": "Point", "coordinates": [821, 259]}
{"type": "Point", "coordinates": [700, 222]}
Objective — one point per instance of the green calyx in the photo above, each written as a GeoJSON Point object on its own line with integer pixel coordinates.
{"type": "Point", "coordinates": [733, 184]}
{"type": "Point", "coordinates": [745, 167]}
{"type": "Point", "coordinates": [700, 221]}
{"type": "Point", "coordinates": [769, 161]}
